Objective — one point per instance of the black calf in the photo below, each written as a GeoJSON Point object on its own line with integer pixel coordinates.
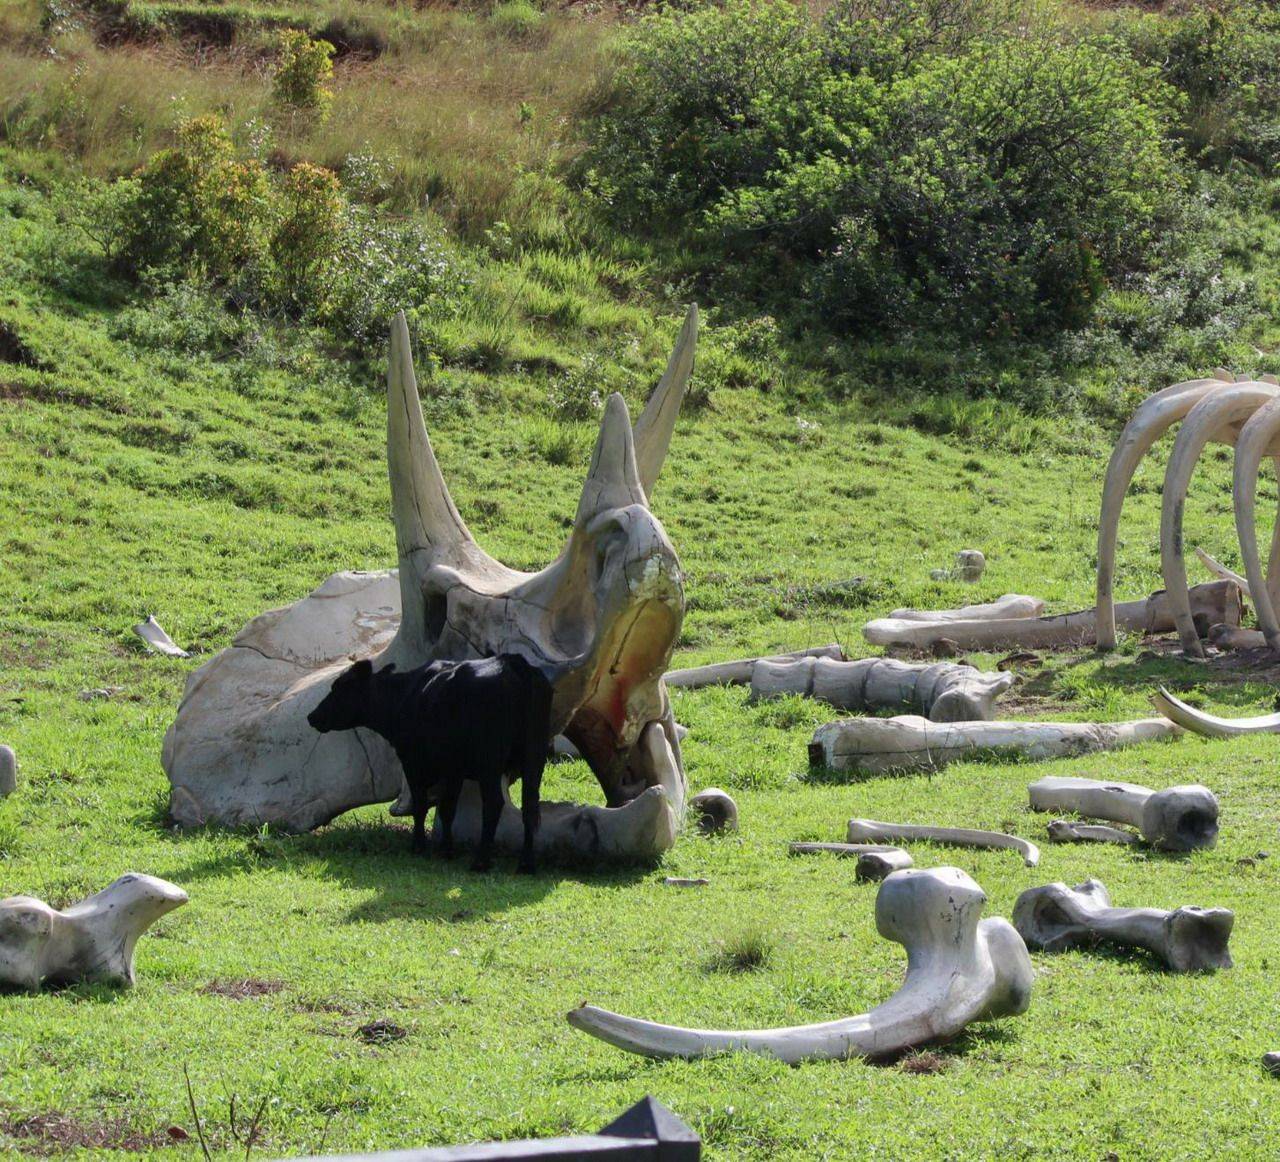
{"type": "Point", "coordinates": [452, 721]}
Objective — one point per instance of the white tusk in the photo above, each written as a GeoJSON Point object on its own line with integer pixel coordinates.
{"type": "Point", "coordinates": [1181, 818]}
{"type": "Point", "coordinates": [869, 830]}
{"type": "Point", "coordinates": [92, 940]}
{"type": "Point", "coordinates": [1055, 918]}
{"type": "Point", "coordinates": [1155, 415]}
{"type": "Point", "coordinates": [1174, 709]}
{"type": "Point", "coordinates": [658, 420]}
{"type": "Point", "coordinates": [960, 968]}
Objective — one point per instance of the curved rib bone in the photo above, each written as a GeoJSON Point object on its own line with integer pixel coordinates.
{"type": "Point", "coordinates": [1218, 569]}
{"type": "Point", "coordinates": [960, 968]}
{"type": "Point", "coordinates": [1176, 819]}
{"type": "Point", "coordinates": [1155, 415]}
{"type": "Point", "coordinates": [94, 939]}
{"type": "Point", "coordinates": [1055, 918]}
{"type": "Point", "coordinates": [944, 691]}
{"type": "Point", "coordinates": [1213, 603]}
{"type": "Point", "coordinates": [870, 830]}
{"type": "Point", "coordinates": [1210, 418]}
{"type": "Point", "coordinates": [1210, 725]}
{"type": "Point", "coordinates": [847, 850]}
{"type": "Point", "coordinates": [1257, 439]}
{"type": "Point", "coordinates": [910, 743]}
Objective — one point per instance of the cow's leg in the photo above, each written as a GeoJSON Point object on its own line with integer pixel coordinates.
{"type": "Point", "coordinates": [530, 809]}
{"type": "Point", "coordinates": [445, 811]}
{"type": "Point", "coordinates": [491, 803]}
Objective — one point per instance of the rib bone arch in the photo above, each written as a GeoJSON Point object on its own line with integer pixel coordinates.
{"type": "Point", "coordinates": [910, 743]}
{"type": "Point", "coordinates": [601, 621]}
{"type": "Point", "coordinates": [960, 968]}
{"type": "Point", "coordinates": [944, 691]}
{"type": "Point", "coordinates": [1244, 413]}
{"type": "Point", "coordinates": [1188, 717]}
{"type": "Point", "coordinates": [1056, 917]}
{"type": "Point", "coordinates": [92, 940]}
{"type": "Point", "coordinates": [1175, 819]}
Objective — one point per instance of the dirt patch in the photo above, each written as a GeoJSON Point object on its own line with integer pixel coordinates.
{"type": "Point", "coordinates": [381, 1033]}
{"type": "Point", "coordinates": [923, 1063]}
{"type": "Point", "coordinates": [242, 990]}
{"type": "Point", "coordinates": [55, 1133]}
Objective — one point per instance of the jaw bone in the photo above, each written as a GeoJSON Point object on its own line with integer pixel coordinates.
{"type": "Point", "coordinates": [1056, 917]}
{"type": "Point", "coordinates": [960, 968]}
{"type": "Point", "coordinates": [1175, 819]}
{"type": "Point", "coordinates": [601, 620]}
{"type": "Point", "coordinates": [92, 940]}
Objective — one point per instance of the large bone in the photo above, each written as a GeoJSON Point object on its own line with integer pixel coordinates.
{"type": "Point", "coordinates": [1211, 725]}
{"type": "Point", "coordinates": [601, 621]}
{"type": "Point", "coordinates": [960, 969]}
{"type": "Point", "coordinates": [93, 940]}
{"type": "Point", "coordinates": [873, 831]}
{"type": "Point", "coordinates": [1010, 605]}
{"type": "Point", "coordinates": [1055, 918]}
{"type": "Point", "coordinates": [944, 691]}
{"type": "Point", "coordinates": [8, 771]}
{"type": "Point", "coordinates": [910, 743]}
{"type": "Point", "coordinates": [1068, 831]}
{"type": "Point", "coordinates": [1212, 603]}
{"type": "Point", "coordinates": [739, 671]}
{"type": "Point", "coordinates": [1176, 819]}
{"type": "Point", "coordinates": [1154, 416]}
{"type": "Point", "coordinates": [1258, 439]}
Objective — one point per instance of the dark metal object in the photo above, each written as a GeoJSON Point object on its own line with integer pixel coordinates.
{"type": "Point", "coordinates": [647, 1132]}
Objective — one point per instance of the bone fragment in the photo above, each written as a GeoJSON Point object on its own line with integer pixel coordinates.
{"type": "Point", "coordinates": [1188, 717]}
{"type": "Point", "coordinates": [8, 771]}
{"type": "Point", "coordinates": [910, 743]}
{"type": "Point", "coordinates": [873, 866]}
{"type": "Point", "coordinates": [1010, 605]}
{"type": "Point", "coordinates": [1067, 831]}
{"type": "Point", "coordinates": [872, 831]}
{"type": "Point", "coordinates": [852, 850]}
{"type": "Point", "coordinates": [99, 693]}
{"type": "Point", "coordinates": [94, 939]}
{"type": "Point", "coordinates": [1181, 818]}
{"type": "Point", "coordinates": [601, 621]}
{"type": "Point", "coordinates": [738, 673]}
{"type": "Point", "coordinates": [1218, 569]}
{"type": "Point", "coordinates": [684, 882]}
{"type": "Point", "coordinates": [714, 810]}
{"type": "Point", "coordinates": [1212, 603]}
{"type": "Point", "coordinates": [960, 968]}
{"type": "Point", "coordinates": [157, 640]}
{"type": "Point", "coordinates": [1055, 918]}
{"type": "Point", "coordinates": [944, 691]}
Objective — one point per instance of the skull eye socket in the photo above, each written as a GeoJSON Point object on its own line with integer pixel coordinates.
{"type": "Point", "coordinates": [610, 538]}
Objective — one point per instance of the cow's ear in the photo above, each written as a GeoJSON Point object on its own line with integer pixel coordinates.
{"type": "Point", "coordinates": [360, 672]}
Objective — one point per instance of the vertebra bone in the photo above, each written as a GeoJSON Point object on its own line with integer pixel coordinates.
{"type": "Point", "coordinates": [1175, 819]}
{"type": "Point", "coordinates": [1056, 917]}
{"type": "Point", "coordinates": [873, 831]}
{"type": "Point", "coordinates": [944, 691]}
{"type": "Point", "coordinates": [93, 939]}
{"type": "Point", "coordinates": [960, 968]}
{"type": "Point", "coordinates": [910, 743]}
{"type": "Point", "coordinates": [601, 620]}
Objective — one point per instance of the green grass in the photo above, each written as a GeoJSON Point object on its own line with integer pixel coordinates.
{"type": "Point", "coordinates": [139, 481]}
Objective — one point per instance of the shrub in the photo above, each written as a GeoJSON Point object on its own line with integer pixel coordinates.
{"type": "Point", "coordinates": [302, 73]}
{"type": "Point", "coordinates": [307, 237]}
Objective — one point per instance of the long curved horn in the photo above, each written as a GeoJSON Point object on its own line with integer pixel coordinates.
{"type": "Point", "coordinates": [1152, 418]}
{"type": "Point", "coordinates": [612, 480]}
{"type": "Point", "coordinates": [1206, 419]}
{"type": "Point", "coordinates": [959, 969]}
{"type": "Point", "coordinates": [1210, 725]}
{"type": "Point", "coordinates": [658, 420]}
{"type": "Point", "coordinates": [1255, 438]}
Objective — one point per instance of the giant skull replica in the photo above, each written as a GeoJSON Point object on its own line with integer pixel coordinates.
{"type": "Point", "coordinates": [601, 621]}
{"type": "Point", "coordinates": [1243, 413]}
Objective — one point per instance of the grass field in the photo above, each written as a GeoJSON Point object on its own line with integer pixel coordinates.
{"type": "Point", "coordinates": [209, 493]}
{"type": "Point", "coordinates": [159, 453]}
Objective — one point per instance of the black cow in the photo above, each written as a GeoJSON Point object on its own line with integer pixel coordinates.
{"type": "Point", "coordinates": [452, 721]}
